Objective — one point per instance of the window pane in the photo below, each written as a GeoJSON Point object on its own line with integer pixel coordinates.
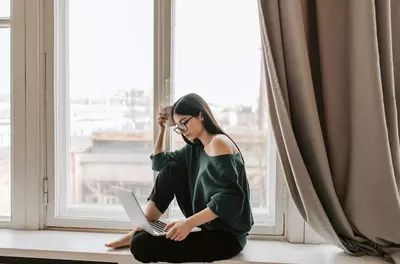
{"type": "Point", "coordinates": [219, 58]}
{"type": "Point", "coordinates": [5, 9]}
{"type": "Point", "coordinates": [5, 124]}
{"type": "Point", "coordinates": [109, 72]}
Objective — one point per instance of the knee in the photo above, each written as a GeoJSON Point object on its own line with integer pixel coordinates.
{"type": "Point", "coordinates": [141, 247]}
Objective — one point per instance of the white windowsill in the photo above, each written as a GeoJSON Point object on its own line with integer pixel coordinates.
{"type": "Point", "coordinates": [90, 247]}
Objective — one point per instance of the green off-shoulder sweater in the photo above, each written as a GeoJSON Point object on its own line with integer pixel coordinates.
{"type": "Point", "coordinates": [216, 182]}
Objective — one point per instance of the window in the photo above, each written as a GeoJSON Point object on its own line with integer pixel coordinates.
{"type": "Point", "coordinates": [220, 59]}
{"type": "Point", "coordinates": [114, 65]}
{"type": "Point", "coordinates": [104, 93]}
{"type": "Point", "coordinates": [5, 111]}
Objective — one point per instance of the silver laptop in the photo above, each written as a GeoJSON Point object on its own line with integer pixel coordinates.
{"type": "Point", "coordinates": [137, 216]}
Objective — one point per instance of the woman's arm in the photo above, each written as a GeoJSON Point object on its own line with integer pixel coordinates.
{"type": "Point", "coordinates": [227, 185]}
{"type": "Point", "coordinates": [160, 157]}
{"type": "Point", "coordinates": [178, 231]}
{"type": "Point", "coordinates": [219, 145]}
{"type": "Point", "coordinates": [159, 146]}
{"type": "Point", "coordinates": [202, 217]}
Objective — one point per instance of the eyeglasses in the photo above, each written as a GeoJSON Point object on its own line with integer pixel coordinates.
{"type": "Point", "coordinates": [182, 127]}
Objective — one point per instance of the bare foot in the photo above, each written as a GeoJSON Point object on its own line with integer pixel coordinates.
{"type": "Point", "coordinates": [151, 212]}
{"type": "Point", "coordinates": [124, 241]}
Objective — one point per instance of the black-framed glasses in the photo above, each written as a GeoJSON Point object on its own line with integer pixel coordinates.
{"type": "Point", "coordinates": [182, 127]}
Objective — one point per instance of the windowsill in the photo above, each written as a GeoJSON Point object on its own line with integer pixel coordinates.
{"type": "Point", "coordinates": [90, 247]}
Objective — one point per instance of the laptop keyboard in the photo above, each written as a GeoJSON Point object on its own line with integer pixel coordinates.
{"type": "Point", "coordinates": [158, 226]}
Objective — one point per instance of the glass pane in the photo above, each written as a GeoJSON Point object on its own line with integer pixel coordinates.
{"type": "Point", "coordinates": [219, 58]}
{"type": "Point", "coordinates": [110, 79]}
{"type": "Point", "coordinates": [5, 9]}
{"type": "Point", "coordinates": [5, 124]}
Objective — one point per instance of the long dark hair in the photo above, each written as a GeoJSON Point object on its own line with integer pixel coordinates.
{"type": "Point", "coordinates": [193, 104]}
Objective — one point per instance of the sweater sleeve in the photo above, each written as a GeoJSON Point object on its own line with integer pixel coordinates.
{"type": "Point", "coordinates": [159, 160]}
{"type": "Point", "coordinates": [228, 199]}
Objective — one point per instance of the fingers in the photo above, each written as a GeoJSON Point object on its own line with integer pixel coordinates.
{"type": "Point", "coordinates": [161, 109]}
{"type": "Point", "coordinates": [171, 233]}
{"type": "Point", "coordinates": [169, 225]}
{"type": "Point", "coordinates": [180, 237]}
{"type": "Point", "coordinates": [162, 115]}
{"type": "Point", "coordinates": [176, 235]}
{"type": "Point", "coordinates": [161, 119]}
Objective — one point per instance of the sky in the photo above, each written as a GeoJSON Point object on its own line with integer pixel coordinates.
{"type": "Point", "coordinates": [4, 8]}
{"type": "Point", "coordinates": [5, 50]}
{"type": "Point", "coordinates": [5, 61]}
{"type": "Point", "coordinates": [216, 48]}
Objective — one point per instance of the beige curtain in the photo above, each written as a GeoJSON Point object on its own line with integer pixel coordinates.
{"type": "Point", "coordinates": [334, 94]}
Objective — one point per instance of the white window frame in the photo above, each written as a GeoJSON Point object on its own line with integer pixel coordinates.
{"type": "Point", "coordinates": [162, 78]}
{"type": "Point", "coordinates": [58, 21]}
{"type": "Point", "coordinates": [16, 23]}
{"type": "Point", "coordinates": [26, 205]}
{"type": "Point", "coordinates": [5, 221]}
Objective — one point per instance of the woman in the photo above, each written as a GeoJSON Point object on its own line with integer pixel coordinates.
{"type": "Point", "coordinates": [208, 178]}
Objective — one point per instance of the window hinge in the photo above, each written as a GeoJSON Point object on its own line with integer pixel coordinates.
{"type": "Point", "coordinates": [167, 86]}
{"type": "Point", "coordinates": [45, 192]}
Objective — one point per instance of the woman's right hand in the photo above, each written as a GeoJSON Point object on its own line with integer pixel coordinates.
{"type": "Point", "coordinates": [162, 117]}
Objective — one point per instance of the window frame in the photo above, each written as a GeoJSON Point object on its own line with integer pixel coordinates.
{"type": "Point", "coordinates": [16, 24]}
{"type": "Point", "coordinates": [163, 54]}
{"type": "Point", "coordinates": [59, 22]}
{"type": "Point", "coordinates": [58, 79]}
{"type": "Point", "coordinates": [27, 164]}
{"type": "Point", "coordinates": [5, 23]}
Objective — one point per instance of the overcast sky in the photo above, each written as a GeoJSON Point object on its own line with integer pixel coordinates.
{"type": "Point", "coordinates": [4, 8]}
{"type": "Point", "coordinates": [217, 48]}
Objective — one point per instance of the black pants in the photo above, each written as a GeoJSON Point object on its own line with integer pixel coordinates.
{"type": "Point", "coordinates": [204, 246]}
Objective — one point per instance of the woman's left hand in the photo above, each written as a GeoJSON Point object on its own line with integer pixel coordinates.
{"type": "Point", "coordinates": [178, 230]}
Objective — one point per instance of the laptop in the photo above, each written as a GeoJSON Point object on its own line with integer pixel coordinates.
{"type": "Point", "coordinates": [137, 216]}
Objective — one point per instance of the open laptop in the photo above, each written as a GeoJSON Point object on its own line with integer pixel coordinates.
{"type": "Point", "coordinates": [137, 216]}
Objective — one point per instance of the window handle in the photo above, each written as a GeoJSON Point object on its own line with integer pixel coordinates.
{"type": "Point", "coordinates": [167, 84]}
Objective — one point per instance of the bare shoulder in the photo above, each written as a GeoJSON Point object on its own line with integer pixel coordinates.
{"type": "Point", "coordinates": [222, 145]}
